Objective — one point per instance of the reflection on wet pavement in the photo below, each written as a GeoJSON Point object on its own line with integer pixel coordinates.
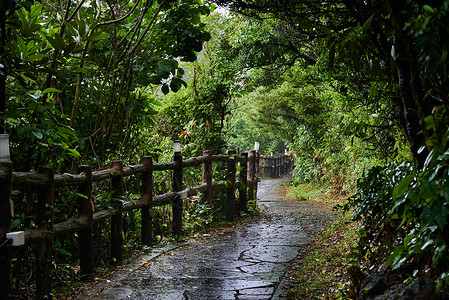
{"type": "Point", "coordinates": [246, 262]}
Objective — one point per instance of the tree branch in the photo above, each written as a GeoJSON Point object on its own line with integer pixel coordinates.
{"type": "Point", "coordinates": [122, 18]}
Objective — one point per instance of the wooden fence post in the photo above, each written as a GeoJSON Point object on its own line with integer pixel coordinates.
{"type": "Point", "coordinates": [274, 160]}
{"type": "Point", "coordinates": [230, 189]}
{"type": "Point", "coordinates": [278, 166]}
{"type": "Point", "coordinates": [251, 173]}
{"type": "Point", "coordinates": [176, 187]}
{"type": "Point", "coordinates": [276, 171]}
{"type": "Point", "coordinates": [207, 177]}
{"type": "Point", "coordinates": [257, 175]}
{"type": "Point", "coordinates": [117, 220]}
{"type": "Point", "coordinates": [243, 183]}
{"type": "Point", "coordinates": [283, 165]}
{"type": "Point", "coordinates": [286, 164]}
{"type": "Point", "coordinates": [266, 168]}
{"type": "Point", "coordinates": [86, 211]}
{"type": "Point", "coordinates": [5, 227]}
{"type": "Point", "coordinates": [44, 221]}
{"type": "Point", "coordinates": [147, 196]}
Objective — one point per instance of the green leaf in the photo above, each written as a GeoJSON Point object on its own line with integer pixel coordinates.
{"type": "Point", "coordinates": [37, 134]}
{"type": "Point", "coordinates": [398, 262]}
{"type": "Point", "coordinates": [175, 86]}
{"type": "Point", "coordinates": [72, 30]}
{"type": "Point", "coordinates": [15, 223]}
{"type": "Point", "coordinates": [168, 66]}
{"type": "Point", "coordinates": [73, 153]}
{"type": "Point", "coordinates": [429, 9]}
{"type": "Point", "coordinates": [51, 90]}
{"type": "Point", "coordinates": [52, 42]}
{"type": "Point", "coordinates": [367, 24]}
{"type": "Point", "coordinates": [22, 47]}
{"type": "Point", "coordinates": [63, 251]}
{"type": "Point", "coordinates": [437, 212]}
{"type": "Point", "coordinates": [397, 252]}
{"type": "Point", "coordinates": [428, 188]}
{"type": "Point", "coordinates": [195, 19]}
{"type": "Point", "coordinates": [35, 57]}
{"type": "Point", "coordinates": [59, 41]}
{"type": "Point", "coordinates": [408, 239]}
{"type": "Point", "coordinates": [180, 72]}
{"type": "Point", "coordinates": [81, 195]}
{"type": "Point", "coordinates": [165, 89]}
{"type": "Point", "coordinates": [427, 244]}
{"type": "Point", "coordinates": [402, 186]}
{"type": "Point", "coordinates": [56, 42]}
{"type": "Point", "coordinates": [35, 10]}
{"type": "Point", "coordinates": [82, 30]}
{"type": "Point", "coordinates": [98, 35]}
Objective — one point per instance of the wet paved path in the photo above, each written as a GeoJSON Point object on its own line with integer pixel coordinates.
{"type": "Point", "coordinates": [248, 261]}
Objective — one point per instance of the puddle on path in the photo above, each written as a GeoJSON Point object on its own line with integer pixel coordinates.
{"type": "Point", "coordinates": [246, 263]}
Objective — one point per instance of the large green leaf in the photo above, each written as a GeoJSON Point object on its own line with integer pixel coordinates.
{"type": "Point", "coordinates": [436, 211]}
{"type": "Point", "coordinates": [402, 186]}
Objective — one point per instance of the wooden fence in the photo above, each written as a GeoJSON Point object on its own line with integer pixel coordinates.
{"type": "Point", "coordinates": [273, 167]}
{"type": "Point", "coordinates": [46, 181]}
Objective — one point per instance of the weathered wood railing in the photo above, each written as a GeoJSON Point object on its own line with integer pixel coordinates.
{"type": "Point", "coordinates": [272, 167]}
{"type": "Point", "coordinates": [45, 181]}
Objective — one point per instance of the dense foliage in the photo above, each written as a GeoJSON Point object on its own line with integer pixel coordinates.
{"type": "Point", "coordinates": [389, 59]}
{"type": "Point", "coordinates": [343, 85]}
{"type": "Point", "coordinates": [79, 77]}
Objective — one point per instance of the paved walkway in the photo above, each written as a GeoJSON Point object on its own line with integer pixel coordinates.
{"type": "Point", "coordinates": [246, 262]}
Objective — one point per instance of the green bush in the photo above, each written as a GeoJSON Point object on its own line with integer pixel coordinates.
{"type": "Point", "coordinates": [405, 214]}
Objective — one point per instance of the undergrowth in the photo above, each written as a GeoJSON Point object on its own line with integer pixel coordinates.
{"type": "Point", "coordinates": [304, 191]}
{"type": "Point", "coordinates": [321, 269]}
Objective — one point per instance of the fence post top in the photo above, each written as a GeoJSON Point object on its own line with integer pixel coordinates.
{"type": "Point", "coordinates": [146, 161]}
{"type": "Point", "coordinates": [5, 165]}
{"type": "Point", "coordinates": [85, 169]}
{"type": "Point", "coordinates": [116, 163]}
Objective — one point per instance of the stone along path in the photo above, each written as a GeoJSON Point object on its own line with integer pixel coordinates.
{"type": "Point", "coordinates": [248, 261]}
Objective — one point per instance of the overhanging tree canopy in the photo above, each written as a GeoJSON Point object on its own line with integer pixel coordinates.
{"type": "Point", "coordinates": [401, 41]}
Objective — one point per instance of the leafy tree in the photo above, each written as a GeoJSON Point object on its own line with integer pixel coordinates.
{"type": "Point", "coordinates": [389, 57]}
{"type": "Point", "coordinates": [362, 36]}
{"type": "Point", "coordinates": [88, 69]}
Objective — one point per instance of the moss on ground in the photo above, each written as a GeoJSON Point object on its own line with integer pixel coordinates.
{"type": "Point", "coordinates": [321, 268]}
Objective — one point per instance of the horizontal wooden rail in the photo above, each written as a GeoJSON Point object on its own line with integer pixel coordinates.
{"type": "Point", "coordinates": [34, 179]}
{"type": "Point", "coordinates": [36, 235]}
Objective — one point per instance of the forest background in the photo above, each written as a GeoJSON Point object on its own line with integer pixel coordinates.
{"type": "Point", "coordinates": [355, 90]}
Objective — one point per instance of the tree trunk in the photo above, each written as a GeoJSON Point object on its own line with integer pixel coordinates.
{"type": "Point", "coordinates": [410, 89]}
{"type": "Point", "coordinates": [2, 72]}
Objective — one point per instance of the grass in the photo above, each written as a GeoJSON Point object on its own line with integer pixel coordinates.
{"type": "Point", "coordinates": [305, 191]}
{"type": "Point", "coordinates": [321, 269]}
